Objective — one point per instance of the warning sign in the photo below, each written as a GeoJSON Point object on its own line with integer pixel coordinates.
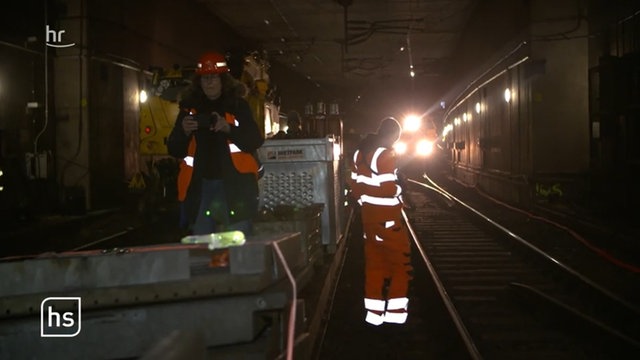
{"type": "Point", "coordinates": [137, 182]}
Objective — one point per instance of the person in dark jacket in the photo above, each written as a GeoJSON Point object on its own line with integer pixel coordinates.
{"type": "Point", "coordinates": [294, 130]}
{"type": "Point", "coordinates": [215, 136]}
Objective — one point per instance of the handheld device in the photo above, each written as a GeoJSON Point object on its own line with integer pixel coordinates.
{"type": "Point", "coordinates": [204, 120]}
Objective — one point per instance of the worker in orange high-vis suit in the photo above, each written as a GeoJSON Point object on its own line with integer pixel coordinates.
{"type": "Point", "coordinates": [374, 183]}
{"type": "Point", "coordinates": [215, 137]}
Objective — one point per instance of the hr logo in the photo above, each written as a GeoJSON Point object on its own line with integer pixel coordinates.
{"type": "Point", "coordinates": [60, 316]}
{"type": "Point", "coordinates": [57, 38]}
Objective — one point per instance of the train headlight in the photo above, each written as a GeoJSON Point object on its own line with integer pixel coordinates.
{"type": "Point", "coordinates": [411, 123]}
{"type": "Point", "coordinates": [400, 147]}
{"type": "Point", "coordinates": [424, 147]}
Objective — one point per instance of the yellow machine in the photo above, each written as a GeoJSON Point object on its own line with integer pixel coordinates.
{"type": "Point", "coordinates": [159, 109]}
{"type": "Point", "coordinates": [255, 77]}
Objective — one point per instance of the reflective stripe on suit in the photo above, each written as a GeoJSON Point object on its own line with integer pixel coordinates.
{"type": "Point", "coordinates": [386, 241]}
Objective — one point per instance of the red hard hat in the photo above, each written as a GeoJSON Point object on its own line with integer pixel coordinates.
{"type": "Point", "coordinates": [212, 63]}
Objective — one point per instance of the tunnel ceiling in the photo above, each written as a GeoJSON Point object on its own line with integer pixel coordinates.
{"type": "Point", "coordinates": [349, 45]}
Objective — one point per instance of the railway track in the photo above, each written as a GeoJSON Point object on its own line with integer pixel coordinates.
{"type": "Point", "coordinates": [109, 230]}
{"type": "Point", "coordinates": [508, 297]}
{"type": "Point", "coordinates": [512, 300]}
{"type": "Point", "coordinates": [480, 291]}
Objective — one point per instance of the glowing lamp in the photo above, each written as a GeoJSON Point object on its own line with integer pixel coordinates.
{"type": "Point", "coordinates": [411, 123]}
{"type": "Point", "coordinates": [400, 147]}
{"type": "Point", "coordinates": [143, 96]}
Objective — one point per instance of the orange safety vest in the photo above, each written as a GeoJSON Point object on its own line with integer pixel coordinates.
{"type": "Point", "coordinates": [374, 183]}
{"type": "Point", "coordinates": [243, 161]}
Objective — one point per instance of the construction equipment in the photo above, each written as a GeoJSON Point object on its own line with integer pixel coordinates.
{"type": "Point", "coordinates": [159, 108]}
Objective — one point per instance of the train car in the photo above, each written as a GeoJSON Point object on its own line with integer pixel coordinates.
{"type": "Point", "coordinates": [417, 142]}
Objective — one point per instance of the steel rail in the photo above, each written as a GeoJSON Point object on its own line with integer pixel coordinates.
{"type": "Point", "coordinates": [318, 326]}
{"type": "Point", "coordinates": [536, 249]}
{"type": "Point", "coordinates": [453, 312]}
{"type": "Point", "coordinates": [557, 303]}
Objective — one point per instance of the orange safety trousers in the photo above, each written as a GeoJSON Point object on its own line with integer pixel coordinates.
{"type": "Point", "coordinates": [387, 256]}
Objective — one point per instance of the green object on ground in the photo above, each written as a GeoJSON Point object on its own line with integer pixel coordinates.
{"type": "Point", "coordinates": [217, 240]}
